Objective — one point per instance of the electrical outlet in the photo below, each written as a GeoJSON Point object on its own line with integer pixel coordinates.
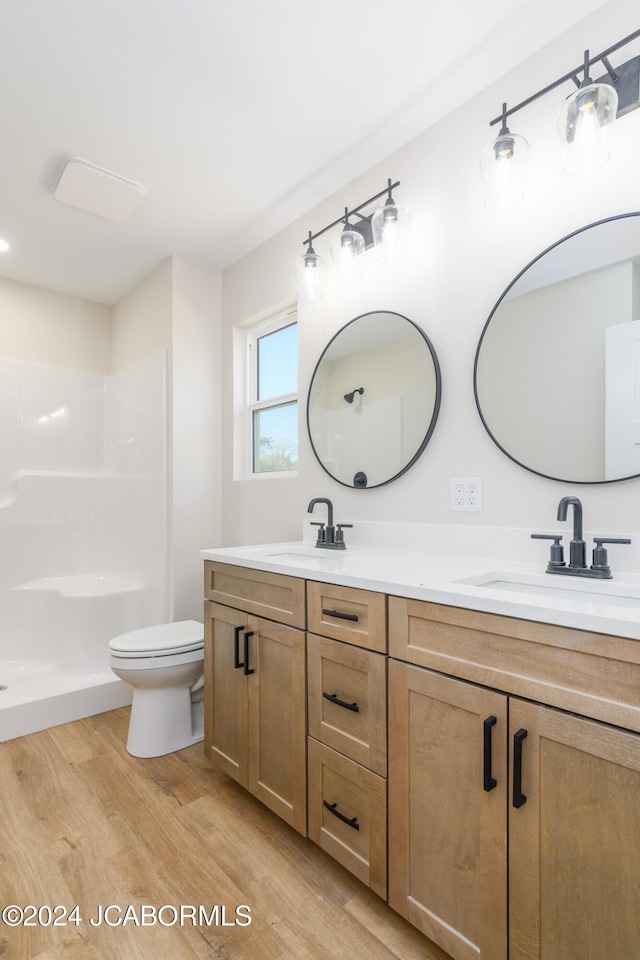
{"type": "Point", "coordinates": [466, 493]}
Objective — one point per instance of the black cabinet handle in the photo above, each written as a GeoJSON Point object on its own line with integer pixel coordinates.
{"type": "Point", "coordinates": [247, 671]}
{"type": "Point", "coordinates": [333, 697]}
{"type": "Point", "coordinates": [489, 782]}
{"type": "Point", "coordinates": [236, 647]}
{"type": "Point", "coordinates": [341, 616]}
{"type": "Point", "coordinates": [333, 808]}
{"type": "Point", "coordinates": [519, 798]}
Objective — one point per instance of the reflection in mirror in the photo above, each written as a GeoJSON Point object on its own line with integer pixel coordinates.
{"type": "Point", "coordinates": [373, 400]}
{"type": "Point", "coordinates": [557, 371]}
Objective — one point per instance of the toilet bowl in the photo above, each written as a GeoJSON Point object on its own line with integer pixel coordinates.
{"type": "Point", "coordinates": [164, 665]}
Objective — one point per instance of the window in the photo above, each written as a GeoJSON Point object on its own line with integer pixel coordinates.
{"type": "Point", "coordinates": [271, 411]}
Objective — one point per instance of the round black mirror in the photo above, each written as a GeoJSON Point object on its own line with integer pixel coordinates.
{"type": "Point", "coordinates": [557, 369]}
{"type": "Point", "coordinates": [373, 400]}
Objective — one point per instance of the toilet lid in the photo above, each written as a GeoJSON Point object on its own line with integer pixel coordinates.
{"type": "Point", "coordinates": [160, 641]}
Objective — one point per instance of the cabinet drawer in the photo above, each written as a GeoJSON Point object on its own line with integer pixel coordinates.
{"type": "Point", "coordinates": [270, 595]}
{"type": "Point", "coordinates": [348, 700]}
{"type": "Point", "coordinates": [586, 673]}
{"type": "Point", "coordinates": [348, 814]}
{"type": "Point", "coordinates": [348, 614]}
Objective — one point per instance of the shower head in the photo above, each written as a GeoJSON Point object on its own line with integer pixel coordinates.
{"type": "Point", "coordinates": [349, 396]}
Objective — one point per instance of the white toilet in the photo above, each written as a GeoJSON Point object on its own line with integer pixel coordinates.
{"type": "Point", "coordinates": [164, 665]}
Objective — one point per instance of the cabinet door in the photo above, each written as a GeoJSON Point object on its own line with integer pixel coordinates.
{"type": "Point", "coordinates": [574, 838]}
{"type": "Point", "coordinates": [447, 819]}
{"type": "Point", "coordinates": [225, 738]}
{"type": "Point", "coordinates": [277, 719]}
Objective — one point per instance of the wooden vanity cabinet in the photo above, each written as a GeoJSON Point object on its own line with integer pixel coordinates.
{"type": "Point", "coordinates": [347, 716]}
{"type": "Point", "coordinates": [560, 822]}
{"type": "Point", "coordinates": [574, 843]}
{"type": "Point", "coordinates": [255, 696]}
{"type": "Point", "coordinates": [447, 810]}
{"type": "Point", "coordinates": [513, 757]}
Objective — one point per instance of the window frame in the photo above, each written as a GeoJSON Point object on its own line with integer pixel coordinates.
{"type": "Point", "coordinates": [246, 343]}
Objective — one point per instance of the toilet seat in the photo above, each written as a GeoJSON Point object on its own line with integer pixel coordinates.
{"type": "Point", "coordinates": [154, 661]}
{"type": "Point", "coordinates": [164, 640]}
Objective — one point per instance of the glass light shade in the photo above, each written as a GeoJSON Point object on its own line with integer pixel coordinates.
{"type": "Point", "coordinates": [585, 126]}
{"type": "Point", "coordinates": [503, 165]}
{"type": "Point", "coordinates": [346, 252]}
{"type": "Point", "coordinates": [390, 228]}
{"type": "Point", "coordinates": [311, 272]}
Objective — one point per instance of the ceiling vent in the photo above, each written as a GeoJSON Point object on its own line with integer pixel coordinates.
{"type": "Point", "coordinates": [98, 191]}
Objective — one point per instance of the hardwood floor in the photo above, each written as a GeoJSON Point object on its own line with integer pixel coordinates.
{"type": "Point", "coordinates": [82, 822]}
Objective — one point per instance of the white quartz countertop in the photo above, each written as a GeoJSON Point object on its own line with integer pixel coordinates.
{"type": "Point", "coordinates": [512, 589]}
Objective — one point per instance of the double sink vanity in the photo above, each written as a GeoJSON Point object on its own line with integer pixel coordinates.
{"type": "Point", "coordinates": [462, 734]}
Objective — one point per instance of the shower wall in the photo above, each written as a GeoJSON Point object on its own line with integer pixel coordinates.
{"type": "Point", "coordinates": [83, 518]}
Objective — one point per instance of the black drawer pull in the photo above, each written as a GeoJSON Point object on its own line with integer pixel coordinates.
{"type": "Point", "coordinates": [490, 783]}
{"type": "Point", "coordinates": [341, 616]}
{"type": "Point", "coordinates": [333, 697]}
{"type": "Point", "coordinates": [333, 808]}
{"type": "Point", "coordinates": [247, 671]}
{"type": "Point", "coordinates": [236, 647]}
{"type": "Point", "coordinates": [519, 798]}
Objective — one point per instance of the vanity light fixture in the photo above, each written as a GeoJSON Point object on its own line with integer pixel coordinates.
{"type": "Point", "coordinates": [346, 251]}
{"type": "Point", "coordinates": [386, 228]}
{"type": "Point", "coordinates": [503, 166]}
{"type": "Point", "coordinates": [583, 121]}
{"type": "Point", "coordinates": [390, 229]}
{"type": "Point", "coordinates": [310, 271]}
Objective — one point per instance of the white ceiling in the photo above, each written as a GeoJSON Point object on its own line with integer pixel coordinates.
{"type": "Point", "coordinates": [236, 116]}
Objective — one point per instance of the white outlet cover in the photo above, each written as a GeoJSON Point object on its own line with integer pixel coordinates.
{"type": "Point", "coordinates": [466, 494]}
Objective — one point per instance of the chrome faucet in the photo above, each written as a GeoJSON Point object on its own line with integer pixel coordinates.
{"type": "Point", "coordinates": [577, 566]}
{"type": "Point", "coordinates": [330, 537]}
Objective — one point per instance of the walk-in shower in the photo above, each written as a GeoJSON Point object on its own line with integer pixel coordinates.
{"type": "Point", "coordinates": [82, 533]}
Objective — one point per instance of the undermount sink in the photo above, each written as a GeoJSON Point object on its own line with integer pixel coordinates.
{"type": "Point", "coordinates": [559, 587]}
{"type": "Point", "coordinates": [302, 555]}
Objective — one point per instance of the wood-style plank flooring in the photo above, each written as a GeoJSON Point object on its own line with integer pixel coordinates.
{"type": "Point", "coordinates": [82, 822]}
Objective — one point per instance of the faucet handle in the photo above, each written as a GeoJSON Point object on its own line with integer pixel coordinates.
{"type": "Point", "coordinates": [556, 551]}
{"type": "Point", "coordinates": [339, 533]}
{"type": "Point", "coordinates": [600, 559]}
{"type": "Point", "coordinates": [600, 540]}
{"type": "Point", "coordinates": [322, 533]}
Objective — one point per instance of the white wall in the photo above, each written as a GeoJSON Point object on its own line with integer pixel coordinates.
{"type": "Point", "coordinates": [177, 309]}
{"type": "Point", "coordinates": [40, 326]}
{"type": "Point", "coordinates": [142, 319]}
{"type": "Point", "coordinates": [196, 365]}
{"type": "Point", "coordinates": [462, 258]}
